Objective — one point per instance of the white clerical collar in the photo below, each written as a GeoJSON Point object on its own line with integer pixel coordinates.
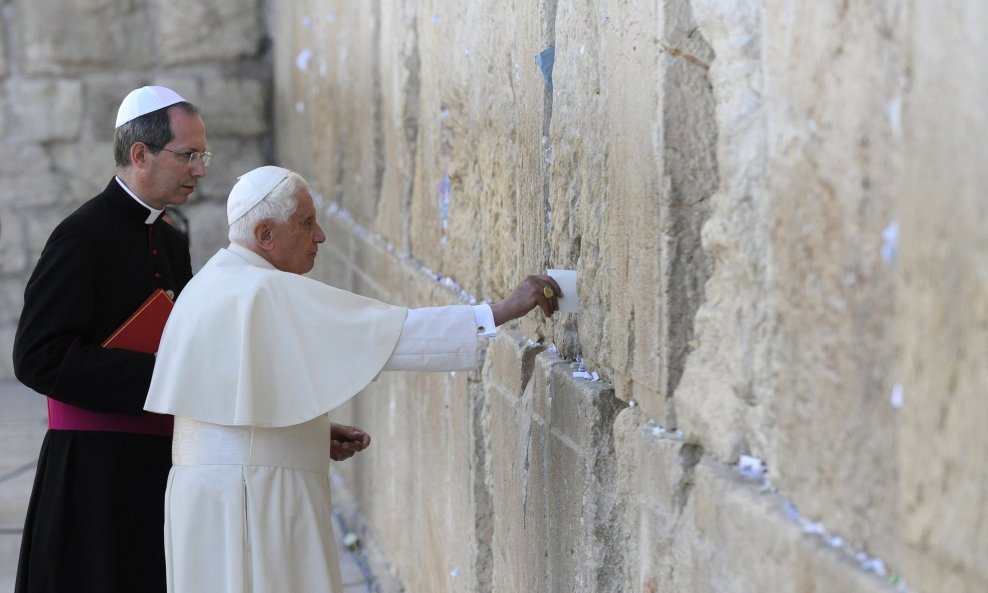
{"type": "Point", "coordinates": [155, 213]}
{"type": "Point", "coordinates": [250, 256]}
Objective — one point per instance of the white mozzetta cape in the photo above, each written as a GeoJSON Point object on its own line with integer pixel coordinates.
{"type": "Point", "coordinates": [248, 344]}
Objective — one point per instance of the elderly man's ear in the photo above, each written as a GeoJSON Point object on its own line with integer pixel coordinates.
{"type": "Point", "coordinates": [263, 236]}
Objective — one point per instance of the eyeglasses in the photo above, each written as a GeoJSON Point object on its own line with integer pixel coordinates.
{"type": "Point", "coordinates": [193, 157]}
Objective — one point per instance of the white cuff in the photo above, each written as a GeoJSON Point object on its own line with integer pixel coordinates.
{"type": "Point", "coordinates": [485, 321]}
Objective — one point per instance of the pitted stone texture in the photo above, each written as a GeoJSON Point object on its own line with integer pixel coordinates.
{"type": "Point", "coordinates": [191, 31]}
{"type": "Point", "coordinates": [556, 491]}
{"type": "Point", "coordinates": [85, 167]}
{"type": "Point", "coordinates": [28, 177]}
{"type": "Point", "coordinates": [233, 107]}
{"type": "Point", "coordinates": [780, 339]}
{"type": "Point", "coordinates": [511, 361]}
{"type": "Point", "coordinates": [694, 525]}
{"type": "Point", "coordinates": [400, 72]}
{"type": "Point", "coordinates": [7, 352]}
{"type": "Point", "coordinates": [942, 302]}
{"type": "Point", "coordinates": [46, 110]}
{"type": "Point", "coordinates": [3, 47]}
{"type": "Point", "coordinates": [85, 35]}
{"type": "Point", "coordinates": [13, 251]}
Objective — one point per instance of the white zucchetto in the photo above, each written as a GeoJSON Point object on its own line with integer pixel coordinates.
{"type": "Point", "coordinates": [251, 188]}
{"type": "Point", "coordinates": [145, 100]}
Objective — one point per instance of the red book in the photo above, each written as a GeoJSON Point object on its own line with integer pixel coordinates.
{"type": "Point", "coordinates": [142, 330]}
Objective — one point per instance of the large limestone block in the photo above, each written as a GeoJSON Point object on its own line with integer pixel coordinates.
{"type": "Point", "coordinates": [745, 543]}
{"type": "Point", "coordinates": [46, 110]}
{"type": "Point", "coordinates": [13, 248]}
{"type": "Point", "coordinates": [29, 179]}
{"type": "Point", "coordinates": [942, 307]}
{"type": "Point", "coordinates": [515, 442]}
{"type": "Point", "coordinates": [333, 62]}
{"type": "Point", "coordinates": [190, 31]}
{"type": "Point", "coordinates": [510, 361]}
{"type": "Point", "coordinates": [294, 143]}
{"type": "Point", "coordinates": [7, 353]}
{"type": "Point", "coordinates": [400, 69]}
{"type": "Point", "coordinates": [551, 481]}
{"type": "Point", "coordinates": [233, 107]}
{"type": "Point", "coordinates": [85, 167]}
{"type": "Point", "coordinates": [3, 51]}
{"type": "Point", "coordinates": [794, 337]}
{"type": "Point", "coordinates": [84, 35]}
{"type": "Point", "coordinates": [833, 167]}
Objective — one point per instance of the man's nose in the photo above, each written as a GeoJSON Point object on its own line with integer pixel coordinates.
{"type": "Point", "coordinates": [320, 236]}
{"type": "Point", "coordinates": [199, 168]}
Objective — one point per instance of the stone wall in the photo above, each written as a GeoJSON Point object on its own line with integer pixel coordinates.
{"type": "Point", "coordinates": [65, 67]}
{"type": "Point", "coordinates": [774, 210]}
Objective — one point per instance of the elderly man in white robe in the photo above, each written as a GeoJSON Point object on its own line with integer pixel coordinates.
{"type": "Point", "coordinates": [253, 357]}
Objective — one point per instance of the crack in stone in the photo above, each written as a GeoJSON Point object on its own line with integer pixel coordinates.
{"type": "Point", "coordinates": [685, 55]}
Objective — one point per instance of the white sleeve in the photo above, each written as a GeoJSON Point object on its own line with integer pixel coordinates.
{"type": "Point", "coordinates": [440, 339]}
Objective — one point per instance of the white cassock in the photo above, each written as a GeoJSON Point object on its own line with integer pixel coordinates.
{"type": "Point", "coordinates": [250, 362]}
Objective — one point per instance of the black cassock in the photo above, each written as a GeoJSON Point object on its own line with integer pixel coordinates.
{"type": "Point", "coordinates": [96, 516]}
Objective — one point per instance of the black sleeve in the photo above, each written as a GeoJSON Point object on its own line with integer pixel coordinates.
{"type": "Point", "coordinates": [57, 348]}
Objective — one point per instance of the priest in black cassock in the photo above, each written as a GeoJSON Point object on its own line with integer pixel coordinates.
{"type": "Point", "coordinates": [95, 518]}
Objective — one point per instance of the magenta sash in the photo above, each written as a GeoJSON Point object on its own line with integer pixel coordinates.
{"type": "Point", "coordinates": [63, 416]}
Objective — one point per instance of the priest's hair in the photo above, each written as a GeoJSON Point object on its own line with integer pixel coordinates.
{"type": "Point", "coordinates": [277, 207]}
{"type": "Point", "coordinates": [153, 128]}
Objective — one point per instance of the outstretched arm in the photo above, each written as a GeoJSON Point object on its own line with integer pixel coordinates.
{"type": "Point", "coordinates": [534, 291]}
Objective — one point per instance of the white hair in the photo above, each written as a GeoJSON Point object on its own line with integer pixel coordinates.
{"type": "Point", "coordinates": [277, 207]}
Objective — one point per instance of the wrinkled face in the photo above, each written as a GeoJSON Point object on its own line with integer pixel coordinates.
{"type": "Point", "coordinates": [296, 242]}
{"type": "Point", "coordinates": [170, 177]}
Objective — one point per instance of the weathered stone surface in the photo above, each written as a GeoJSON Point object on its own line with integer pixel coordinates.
{"type": "Point", "coordinates": [190, 31]}
{"type": "Point", "coordinates": [511, 361]}
{"type": "Point", "coordinates": [85, 167]}
{"type": "Point", "coordinates": [85, 35]}
{"type": "Point", "coordinates": [13, 252]}
{"type": "Point", "coordinates": [781, 334]}
{"type": "Point", "coordinates": [3, 44]}
{"type": "Point", "coordinates": [7, 352]}
{"type": "Point", "coordinates": [233, 107]}
{"type": "Point", "coordinates": [29, 178]}
{"type": "Point", "coordinates": [46, 110]}
{"type": "Point", "coordinates": [779, 341]}
{"type": "Point", "coordinates": [942, 301]}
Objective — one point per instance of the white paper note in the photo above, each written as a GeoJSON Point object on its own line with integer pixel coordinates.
{"type": "Point", "coordinates": [566, 279]}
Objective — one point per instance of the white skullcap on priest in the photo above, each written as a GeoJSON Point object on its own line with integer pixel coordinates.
{"type": "Point", "coordinates": [145, 100]}
{"type": "Point", "coordinates": [251, 188]}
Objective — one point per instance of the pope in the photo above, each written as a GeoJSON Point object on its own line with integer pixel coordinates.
{"type": "Point", "coordinates": [253, 357]}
